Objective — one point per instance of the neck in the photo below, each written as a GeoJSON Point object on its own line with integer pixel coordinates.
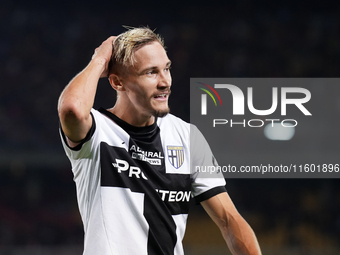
{"type": "Point", "coordinates": [131, 116]}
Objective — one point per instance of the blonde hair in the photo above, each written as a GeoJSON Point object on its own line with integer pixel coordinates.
{"type": "Point", "coordinates": [127, 43]}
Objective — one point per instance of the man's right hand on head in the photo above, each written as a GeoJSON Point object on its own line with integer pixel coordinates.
{"type": "Point", "coordinates": [77, 99]}
{"type": "Point", "coordinates": [102, 55]}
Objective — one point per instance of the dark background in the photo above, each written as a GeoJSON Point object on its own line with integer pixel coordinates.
{"type": "Point", "coordinates": [43, 44]}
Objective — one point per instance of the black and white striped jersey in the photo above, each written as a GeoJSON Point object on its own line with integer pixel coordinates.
{"type": "Point", "coordinates": [134, 183]}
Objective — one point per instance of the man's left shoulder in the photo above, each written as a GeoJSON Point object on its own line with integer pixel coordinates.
{"type": "Point", "coordinates": [172, 120]}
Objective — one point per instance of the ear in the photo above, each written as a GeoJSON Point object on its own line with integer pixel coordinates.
{"type": "Point", "coordinates": [116, 82]}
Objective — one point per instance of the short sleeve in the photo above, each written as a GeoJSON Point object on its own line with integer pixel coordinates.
{"type": "Point", "coordinates": [208, 181]}
{"type": "Point", "coordinates": [84, 147]}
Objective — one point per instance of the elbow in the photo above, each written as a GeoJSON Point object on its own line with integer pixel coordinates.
{"type": "Point", "coordinates": [70, 112]}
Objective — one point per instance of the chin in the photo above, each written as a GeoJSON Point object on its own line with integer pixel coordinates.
{"type": "Point", "coordinates": [161, 113]}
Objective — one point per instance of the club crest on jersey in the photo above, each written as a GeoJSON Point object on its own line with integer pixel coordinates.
{"type": "Point", "coordinates": [175, 156]}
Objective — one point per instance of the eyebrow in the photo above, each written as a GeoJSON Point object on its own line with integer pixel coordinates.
{"type": "Point", "coordinates": [153, 67]}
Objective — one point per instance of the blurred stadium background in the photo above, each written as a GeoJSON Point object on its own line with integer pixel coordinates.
{"type": "Point", "coordinates": [43, 44]}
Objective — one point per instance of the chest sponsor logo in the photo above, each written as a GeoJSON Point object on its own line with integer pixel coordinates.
{"type": "Point", "coordinates": [174, 196]}
{"type": "Point", "coordinates": [175, 156]}
{"type": "Point", "coordinates": [153, 158]}
{"type": "Point", "coordinates": [133, 171]}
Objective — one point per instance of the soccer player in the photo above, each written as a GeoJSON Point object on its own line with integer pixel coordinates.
{"type": "Point", "coordinates": [131, 163]}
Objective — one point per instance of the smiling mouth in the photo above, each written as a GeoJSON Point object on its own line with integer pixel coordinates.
{"type": "Point", "coordinates": [161, 96]}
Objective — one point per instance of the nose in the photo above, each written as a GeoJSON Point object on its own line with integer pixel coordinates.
{"type": "Point", "coordinates": [164, 79]}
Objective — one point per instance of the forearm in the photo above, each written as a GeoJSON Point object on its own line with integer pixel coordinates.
{"type": "Point", "coordinates": [236, 231]}
{"type": "Point", "coordinates": [78, 97]}
{"type": "Point", "coordinates": [239, 236]}
{"type": "Point", "coordinates": [76, 101]}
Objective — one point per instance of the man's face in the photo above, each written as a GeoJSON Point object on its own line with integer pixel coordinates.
{"type": "Point", "coordinates": [147, 84]}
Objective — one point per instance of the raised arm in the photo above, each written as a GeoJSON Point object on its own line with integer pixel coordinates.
{"type": "Point", "coordinates": [236, 231]}
{"type": "Point", "coordinates": [77, 99]}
